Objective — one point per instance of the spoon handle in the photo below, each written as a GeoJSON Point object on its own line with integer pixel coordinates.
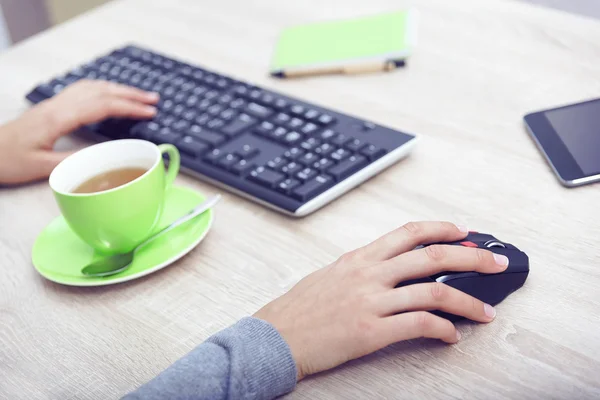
{"type": "Point", "coordinates": [202, 207]}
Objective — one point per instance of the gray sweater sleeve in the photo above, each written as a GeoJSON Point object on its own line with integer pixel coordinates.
{"type": "Point", "coordinates": [248, 360]}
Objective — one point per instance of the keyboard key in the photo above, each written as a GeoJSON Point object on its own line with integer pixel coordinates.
{"type": "Point", "coordinates": [306, 174]}
{"type": "Point", "coordinates": [166, 120]}
{"type": "Point", "coordinates": [308, 158]}
{"type": "Point", "coordinates": [276, 163]}
{"type": "Point", "coordinates": [255, 94]}
{"type": "Point", "coordinates": [192, 101]}
{"type": "Point", "coordinates": [228, 114]}
{"type": "Point", "coordinates": [295, 123]}
{"type": "Point", "coordinates": [202, 119]}
{"type": "Point", "coordinates": [237, 103]}
{"type": "Point", "coordinates": [278, 133]}
{"type": "Point", "coordinates": [166, 135]}
{"type": "Point", "coordinates": [215, 124]}
{"type": "Point", "coordinates": [325, 149]}
{"type": "Point", "coordinates": [326, 119]}
{"type": "Point", "coordinates": [312, 188]}
{"type": "Point", "coordinates": [145, 130]}
{"type": "Point", "coordinates": [247, 152]}
{"type": "Point", "coordinates": [309, 128]}
{"type": "Point", "coordinates": [292, 138]}
{"type": "Point", "coordinates": [180, 97]}
{"type": "Point", "coordinates": [282, 118]}
{"type": "Point", "coordinates": [265, 128]}
{"type": "Point", "coordinates": [222, 83]}
{"type": "Point", "coordinates": [212, 138]}
{"type": "Point", "coordinates": [323, 164]}
{"type": "Point", "coordinates": [204, 105]}
{"type": "Point", "coordinates": [280, 104]}
{"type": "Point", "coordinates": [189, 115]}
{"type": "Point", "coordinates": [355, 145]}
{"type": "Point", "coordinates": [291, 168]}
{"type": "Point", "coordinates": [367, 126]}
{"type": "Point", "coordinates": [191, 146]}
{"type": "Point", "coordinates": [215, 109]}
{"type": "Point", "coordinates": [241, 90]}
{"type": "Point", "coordinates": [288, 185]}
{"type": "Point", "coordinates": [293, 153]}
{"type": "Point", "coordinates": [340, 154]}
{"type": "Point", "coordinates": [311, 115]}
{"type": "Point", "coordinates": [211, 79]}
{"type": "Point", "coordinates": [211, 94]}
{"type": "Point", "coordinates": [181, 125]}
{"type": "Point", "coordinates": [243, 167]}
{"type": "Point", "coordinates": [310, 144]}
{"type": "Point", "coordinates": [267, 99]}
{"type": "Point", "coordinates": [225, 99]}
{"type": "Point", "coordinates": [238, 125]}
{"type": "Point", "coordinates": [228, 161]}
{"type": "Point", "coordinates": [297, 109]}
{"type": "Point", "coordinates": [348, 167]}
{"type": "Point", "coordinates": [258, 110]}
{"type": "Point", "coordinates": [214, 156]}
{"type": "Point", "coordinates": [178, 110]}
{"type": "Point", "coordinates": [328, 134]}
{"type": "Point", "coordinates": [266, 177]}
{"type": "Point", "coordinates": [340, 140]}
{"type": "Point", "coordinates": [166, 105]}
{"type": "Point", "coordinates": [199, 90]}
{"type": "Point", "coordinates": [372, 152]}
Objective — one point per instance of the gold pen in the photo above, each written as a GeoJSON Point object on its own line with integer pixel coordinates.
{"type": "Point", "coordinates": [346, 70]}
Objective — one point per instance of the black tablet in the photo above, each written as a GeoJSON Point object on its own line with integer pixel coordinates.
{"type": "Point", "coordinates": [569, 138]}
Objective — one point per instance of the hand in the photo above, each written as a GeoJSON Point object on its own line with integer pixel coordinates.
{"type": "Point", "coordinates": [351, 308]}
{"type": "Point", "coordinates": [26, 143]}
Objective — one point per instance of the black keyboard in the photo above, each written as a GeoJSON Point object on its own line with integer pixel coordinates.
{"type": "Point", "coordinates": [282, 152]}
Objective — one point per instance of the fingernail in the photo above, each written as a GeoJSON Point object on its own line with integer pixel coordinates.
{"type": "Point", "coordinates": [458, 335]}
{"type": "Point", "coordinates": [153, 95]}
{"type": "Point", "coordinates": [150, 109]}
{"type": "Point", "coordinates": [489, 311]}
{"type": "Point", "coordinates": [501, 260]}
{"type": "Point", "coordinates": [462, 228]}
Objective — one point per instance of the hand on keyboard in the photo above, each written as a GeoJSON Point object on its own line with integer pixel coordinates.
{"type": "Point", "coordinates": [283, 152]}
{"type": "Point", "coordinates": [26, 143]}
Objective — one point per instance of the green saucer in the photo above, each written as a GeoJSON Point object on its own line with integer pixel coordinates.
{"type": "Point", "coordinates": [59, 255]}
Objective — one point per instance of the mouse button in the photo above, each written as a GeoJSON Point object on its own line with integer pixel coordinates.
{"type": "Point", "coordinates": [451, 275]}
{"type": "Point", "coordinates": [518, 262]}
{"type": "Point", "coordinates": [415, 281]}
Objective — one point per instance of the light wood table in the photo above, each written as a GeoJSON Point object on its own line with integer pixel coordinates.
{"type": "Point", "coordinates": [480, 66]}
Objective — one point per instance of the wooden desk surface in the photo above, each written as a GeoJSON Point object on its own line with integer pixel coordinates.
{"type": "Point", "coordinates": [479, 67]}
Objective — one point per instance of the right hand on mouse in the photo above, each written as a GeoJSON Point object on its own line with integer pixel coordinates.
{"type": "Point", "coordinates": [351, 308]}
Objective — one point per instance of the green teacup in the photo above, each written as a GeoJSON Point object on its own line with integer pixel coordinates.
{"type": "Point", "coordinates": [117, 219]}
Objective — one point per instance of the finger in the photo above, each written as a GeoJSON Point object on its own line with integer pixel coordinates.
{"type": "Point", "coordinates": [417, 324]}
{"type": "Point", "coordinates": [117, 107]}
{"type": "Point", "coordinates": [131, 93]}
{"type": "Point", "coordinates": [434, 296]}
{"type": "Point", "coordinates": [437, 258]}
{"type": "Point", "coordinates": [409, 236]}
{"type": "Point", "coordinates": [40, 165]}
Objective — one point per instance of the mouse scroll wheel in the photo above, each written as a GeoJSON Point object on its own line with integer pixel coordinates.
{"type": "Point", "coordinates": [494, 243]}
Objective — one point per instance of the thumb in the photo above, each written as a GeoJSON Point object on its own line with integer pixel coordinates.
{"type": "Point", "coordinates": [47, 161]}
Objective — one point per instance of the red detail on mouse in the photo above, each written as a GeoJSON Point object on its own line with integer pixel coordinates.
{"type": "Point", "coordinates": [473, 232]}
{"type": "Point", "coordinates": [468, 244]}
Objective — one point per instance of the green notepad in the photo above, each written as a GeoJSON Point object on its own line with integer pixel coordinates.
{"type": "Point", "coordinates": [372, 42]}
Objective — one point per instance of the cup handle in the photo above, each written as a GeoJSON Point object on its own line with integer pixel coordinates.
{"type": "Point", "coordinates": [173, 169]}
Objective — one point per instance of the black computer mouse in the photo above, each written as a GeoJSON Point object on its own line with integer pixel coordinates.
{"type": "Point", "coordinates": [489, 288]}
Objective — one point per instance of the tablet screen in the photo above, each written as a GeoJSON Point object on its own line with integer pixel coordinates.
{"type": "Point", "coordinates": [579, 129]}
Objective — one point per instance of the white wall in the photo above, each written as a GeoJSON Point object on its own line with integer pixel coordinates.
{"type": "Point", "coordinates": [4, 38]}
